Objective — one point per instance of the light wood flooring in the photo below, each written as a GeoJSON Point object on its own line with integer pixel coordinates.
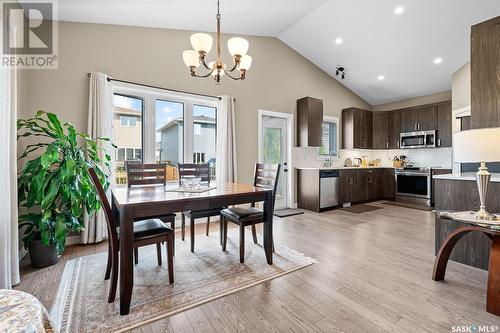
{"type": "Point", "coordinates": [373, 275]}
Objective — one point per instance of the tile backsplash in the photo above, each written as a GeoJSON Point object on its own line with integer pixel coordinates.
{"type": "Point", "coordinates": [308, 157]}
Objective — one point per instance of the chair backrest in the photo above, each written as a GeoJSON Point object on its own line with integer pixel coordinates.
{"type": "Point", "coordinates": [267, 176]}
{"type": "Point", "coordinates": [194, 170]}
{"type": "Point", "coordinates": [146, 174]}
{"type": "Point", "coordinates": [108, 212]}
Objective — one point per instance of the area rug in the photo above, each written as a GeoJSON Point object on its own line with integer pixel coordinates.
{"type": "Point", "coordinates": [208, 273]}
{"type": "Point", "coordinates": [285, 212]}
{"type": "Point", "coordinates": [407, 205]}
{"type": "Point", "coordinates": [359, 209]}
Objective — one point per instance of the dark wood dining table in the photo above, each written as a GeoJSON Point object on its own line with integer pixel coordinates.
{"type": "Point", "coordinates": [137, 203]}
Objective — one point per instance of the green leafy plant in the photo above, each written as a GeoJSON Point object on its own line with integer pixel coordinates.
{"type": "Point", "coordinates": [55, 187]}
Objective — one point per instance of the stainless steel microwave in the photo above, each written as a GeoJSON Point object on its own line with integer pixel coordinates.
{"type": "Point", "coordinates": [421, 139]}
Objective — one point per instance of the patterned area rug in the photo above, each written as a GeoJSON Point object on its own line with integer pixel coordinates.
{"type": "Point", "coordinates": [81, 304]}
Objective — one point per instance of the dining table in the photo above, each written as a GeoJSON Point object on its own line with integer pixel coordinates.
{"type": "Point", "coordinates": [139, 203]}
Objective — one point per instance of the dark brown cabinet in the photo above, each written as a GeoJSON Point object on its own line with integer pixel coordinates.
{"type": "Point", "coordinates": [485, 74]}
{"type": "Point", "coordinates": [356, 129]}
{"type": "Point", "coordinates": [309, 122]}
{"type": "Point", "coordinates": [444, 125]}
{"type": "Point", "coordinates": [394, 129]}
{"type": "Point", "coordinates": [419, 119]}
{"type": "Point", "coordinates": [387, 183]}
{"type": "Point", "coordinates": [380, 130]}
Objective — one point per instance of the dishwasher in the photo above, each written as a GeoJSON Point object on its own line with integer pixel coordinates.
{"type": "Point", "coordinates": [328, 188]}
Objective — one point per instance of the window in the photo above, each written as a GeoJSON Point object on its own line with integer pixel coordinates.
{"type": "Point", "coordinates": [170, 127]}
{"type": "Point", "coordinates": [127, 134]}
{"type": "Point", "coordinates": [330, 137]}
{"type": "Point", "coordinates": [128, 121]}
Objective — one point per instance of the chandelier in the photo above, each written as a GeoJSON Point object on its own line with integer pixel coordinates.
{"type": "Point", "coordinates": [202, 44]}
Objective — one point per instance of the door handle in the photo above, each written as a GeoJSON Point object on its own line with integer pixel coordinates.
{"type": "Point", "coordinates": [285, 167]}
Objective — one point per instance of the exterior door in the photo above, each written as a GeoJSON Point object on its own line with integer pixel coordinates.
{"type": "Point", "coordinates": [274, 150]}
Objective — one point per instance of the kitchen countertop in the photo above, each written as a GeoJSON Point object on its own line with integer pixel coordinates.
{"type": "Point", "coordinates": [495, 177]}
{"type": "Point", "coordinates": [342, 168]}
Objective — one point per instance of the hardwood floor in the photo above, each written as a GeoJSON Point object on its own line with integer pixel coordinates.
{"type": "Point", "coordinates": [373, 275]}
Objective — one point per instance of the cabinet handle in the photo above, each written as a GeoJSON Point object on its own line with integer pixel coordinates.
{"type": "Point", "coordinates": [387, 145]}
{"type": "Point", "coordinates": [418, 126]}
{"type": "Point", "coordinates": [415, 126]}
{"type": "Point", "coordinates": [439, 142]}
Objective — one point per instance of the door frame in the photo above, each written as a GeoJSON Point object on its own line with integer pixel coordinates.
{"type": "Point", "coordinates": [289, 127]}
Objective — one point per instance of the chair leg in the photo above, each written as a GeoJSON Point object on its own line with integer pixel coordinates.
{"type": "Point", "coordinates": [170, 257]}
{"type": "Point", "coordinates": [172, 225]}
{"type": "Point", "coordinates": [208, 224]}
{"type": "Point", "coordinates": [242, 243]}
{"type": "Point", "coordinates": [221, 229]}
{"type": "Point", "coordinates": [224, 233]}
{"type": "Point", "coordinates": [108, 266]}
{"type": "Point", "coordinates": [254, 234]}
{"type": "Point", "coordinates": [158, 253]}
{"type": "Point", "coordinates": [114, 278]}
{"type": "Point", "coordinates": [183, 225]}
{"type": "Point", "coordinates": [136, 255]}
{"type": "Point", "coordinates": [191, 229]}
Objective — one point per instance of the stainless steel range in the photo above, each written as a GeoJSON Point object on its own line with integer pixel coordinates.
{"type": "Point", "coordinates": [413, 185]}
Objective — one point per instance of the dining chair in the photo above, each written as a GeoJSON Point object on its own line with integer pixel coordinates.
{"type": "Point", "coordinates": [202, 171]}
{"type": "Point", "coordinates": [146, 232]}
{"type": "Point", "coordinates": [139, 174]}
{"type": "Point", "coordinates": [265, 176]}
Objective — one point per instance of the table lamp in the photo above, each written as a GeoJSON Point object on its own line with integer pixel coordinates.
{"type": "Point", "coordinates": [479, 146]}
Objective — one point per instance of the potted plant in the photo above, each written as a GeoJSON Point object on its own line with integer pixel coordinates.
{"type": "Point", "coordinates": [54, 187]}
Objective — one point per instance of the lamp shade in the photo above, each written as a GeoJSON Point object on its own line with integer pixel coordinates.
{"type": "Point", "coordinates": [237, 46]}
{"type": "Point", "coordinates": [477, 145]}
{"type": "Point", "coordinates": [190, 58]}
{"type": "Point", "coordinates": [201, 42]}
{"type": "Point", "coordinates": [246, 62]}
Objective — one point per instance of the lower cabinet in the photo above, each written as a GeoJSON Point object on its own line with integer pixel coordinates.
{"type": "Point", "coordinates": [357, 185]}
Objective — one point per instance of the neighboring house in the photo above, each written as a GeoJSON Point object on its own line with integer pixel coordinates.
{"type": "Point", "coordinates": [127, 133]}
{"type": "Point", "coordinates": [171, 136]}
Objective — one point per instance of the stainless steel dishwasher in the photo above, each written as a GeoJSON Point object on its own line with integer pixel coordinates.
{"type": "Point", "coordinates": [328, 188]}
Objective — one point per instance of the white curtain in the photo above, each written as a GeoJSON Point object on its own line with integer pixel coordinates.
{"type": "Point", "coordinates": [9, 243]}
{"type": "Point", "coordinates": [99, 125]}
{"type": "Point", "coordinates": [226, 165]}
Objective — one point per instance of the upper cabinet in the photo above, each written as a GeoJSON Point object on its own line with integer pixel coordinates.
{"type": "Point", "coordinates": [444, 125]}
{"type": "Point", "coordinates": [309, 122]}
{"type": "Point", "coordinates": [363, 129]}
{"type": "Point", "coordinates": [356, 129]}
{"type": "Point", "coordinates": [422, 118]}
{"type": "Point", "coordinates": [485, 74]}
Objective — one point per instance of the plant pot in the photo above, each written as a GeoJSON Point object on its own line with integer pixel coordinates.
{"type": "Point", "coordinates": [42, 256]}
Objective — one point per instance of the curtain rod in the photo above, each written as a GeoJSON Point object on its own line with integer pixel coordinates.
{"type": "Point", "coordinates": [162, 88]}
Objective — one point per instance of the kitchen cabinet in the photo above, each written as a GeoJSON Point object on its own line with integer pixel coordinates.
{"type": "Point", "coordinates": [370, 179]}
{"type": "Point", "coordinates": [346, 182]}
{"type": "Point", "coordinates": [380, 130]}
{"type": "Point", "coordinates": [408, 120]}
{"type": "Point", "coordinates": [356, 129]}
{"type": "Point", "coordinates": [419, 119]}
{"type": "Point", "coordinates": [485, 74]}
{"type": "Point", "coordinates": [387, 183]}
{"type": "Point", "coordinates": [394, 129]}
{"type": "Point", "coordinates": [309, 122]}
{"type": "Point", "coordinates": [444, 120]}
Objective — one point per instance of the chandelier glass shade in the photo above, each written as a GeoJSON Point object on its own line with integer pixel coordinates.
{"type": "Point", "coordinates": [202, 44]}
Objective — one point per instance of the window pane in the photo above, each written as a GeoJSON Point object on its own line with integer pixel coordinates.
{"type": "Point", "coordinates": [127, 134]}
{"type": "Point", "coordinates": [204, 135]}
{"type": "Point", "coordinates": [138, 154]}
{"type": "Point", "coordinates": [272, 145]}
{"type": "Point", "coordinates": [169, 141]}
{"type": "Point", "coordinates": [329, 139]}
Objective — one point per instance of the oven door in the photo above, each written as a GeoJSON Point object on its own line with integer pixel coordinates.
{"type": "Point", "coordinates": [413, 185]}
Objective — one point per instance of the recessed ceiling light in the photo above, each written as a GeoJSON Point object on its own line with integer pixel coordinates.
{"type": "Point", "coordinates": [338, 41]}
{"type": "Point", "coordinates": [380, 77]}
{"type": "Point", "coordinates": [399, 10]}
{"type": "Point", "coordinates": [438, 61]}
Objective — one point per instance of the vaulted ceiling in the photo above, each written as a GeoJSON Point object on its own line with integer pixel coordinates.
{"type": "Point", "coordinates": [375, 40]}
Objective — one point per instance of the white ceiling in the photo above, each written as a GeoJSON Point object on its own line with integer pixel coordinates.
{"type": "Point", "coordinates": [375, 40]}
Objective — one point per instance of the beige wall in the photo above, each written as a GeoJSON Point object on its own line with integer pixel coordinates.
{"type": "Point", "coordinates": [278, 77]}
{"type": "Point", "coordinates": [421, 100]}
{"type": "Point", "coordinates": [460, 84]}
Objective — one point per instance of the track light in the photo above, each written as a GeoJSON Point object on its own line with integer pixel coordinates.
{"type": "Point", "coordinates": [340, 70]}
